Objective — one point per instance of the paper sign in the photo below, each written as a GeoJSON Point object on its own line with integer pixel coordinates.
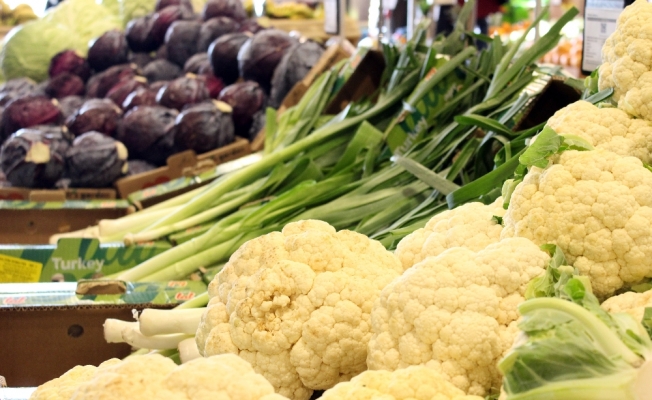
{"type": "Point", "coordinates": [13, 269]}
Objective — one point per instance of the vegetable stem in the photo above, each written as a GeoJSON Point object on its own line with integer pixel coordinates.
{"type": "Point", "coordinates": [605, 338]}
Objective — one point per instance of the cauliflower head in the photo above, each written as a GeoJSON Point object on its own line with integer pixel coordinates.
{"type": "Point", "coordinates": [412, 383]}
{"type": "Point", "coordinates": [597, 207]}
{"type": "Point", "coordinates": [63, 387]}
{"type": "Point", "coordinates": [456, 313]}
{"type": "Point", "coordinates": [605, 128]}
{"type": "Point", "coordinates": [630, 303]}
{"type": "Point", "coordinates": [224, 377]}
{"type": "Point", "coordinates": [627, 60]}
{"type": "Point", "coordinates": [296, 304]}
{"type": "Point", "coordinates": [472, 226]}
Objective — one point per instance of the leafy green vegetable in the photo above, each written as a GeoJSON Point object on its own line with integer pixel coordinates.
{"type": "Point", "coordinates": [25, 54]}
{"type": "Point", "coordinates": [28, 48]}
{"type": "Point", "coordinates": [573, 349]}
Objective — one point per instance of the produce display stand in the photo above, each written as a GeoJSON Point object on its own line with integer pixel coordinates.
{"type": "Point", "coordinates": [71, 318]}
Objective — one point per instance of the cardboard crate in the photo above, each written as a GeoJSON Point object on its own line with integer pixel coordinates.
{"type": "Point", "coordinates": [184, 163]}
{"type": "Point", "coordinates": [33, 222]}
{"type": "Point", "coordinates": [156, 194]}
{"type": "Point", "coordinates": [47, 328]}
{"type": "Point", "coordinates": [24, 194]}
{"type": "Point", "coordinates": [72, 259]}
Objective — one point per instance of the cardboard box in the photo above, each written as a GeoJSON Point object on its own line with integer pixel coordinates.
{"type": "Point", "coordinates": [17, 194]}
{"type": "Point", "coordinates": [72, 259]}
{"type": "Point", "coordinates": [33, 222]}
{"type": "Point", "coordinates": [42, 341]}
{"type": "Point", "coordinates": [156, 194]}
{"type": "Point", "coordinates": [363, 81]}
{"type": "Point", "coordinates": [181, 164]}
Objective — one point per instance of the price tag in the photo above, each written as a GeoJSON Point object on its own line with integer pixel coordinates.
{"type": "Point", "coordinates": [14, 270]}
{"type": "Point", "coordinates": [600, 19]}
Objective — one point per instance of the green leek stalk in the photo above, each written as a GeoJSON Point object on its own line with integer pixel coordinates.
{"type": "Point", "coordinates": [254, 171]}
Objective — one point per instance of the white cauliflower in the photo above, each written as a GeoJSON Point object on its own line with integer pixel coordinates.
{"type": "Point", "coordinates": [627, 61]}
{"type": "Point", "coordinates": [630, 303]}
{"type": "Point", "coordinates": [596, 206]}
{"type": "Point", "coordinates": [411, 383]}
{"type": "Point", "coordinates": [472, 226]}
{"type": "Point", "coordinates": [63, 387]}
{"type": "Point", "coordinates": [296, 305]}
{"type": "Point", "coordinates": [605, 128]}
{"type": "Point", "coordinates": [456, 313]}
{"type": "Point", "coordinates": [224, 377]}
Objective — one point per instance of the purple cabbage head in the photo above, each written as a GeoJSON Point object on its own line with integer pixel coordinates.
{"type": "Point", "coordinates": [122, 89]}
{"type": "Point", "coordinates": [28, 111]}
{"type": "Point", "coordinates": [165, 17]}
{"type": "Point", "coordinates": [197, 64]}
{"type": "Point", "coordinates": [35, 157]}
{"type": "Point", "coordinates": [71, 62]}
{"type": "Point", "coordinates": [183, 91]}
{"type": "Point", "coordinates": [139, 34]}
{"type": "Point", "coordinates": [108, 50]}
{"type": "Point", "coordinates": [142, 96]}
{"type": "Point", "coordinates": [213, 84]}
{"type": "Point", "coordinates": [204, 127]}
{"type": "Point", "coordinates": [294, 66]}
{"type": "Point", "coordinates": [246, 99]}
{"type": "Point", "coordinates": [99, 115]}
{"type": "Point", "coordinates": [223, 54]}
{"type": "Point", "coordinates": [148, 133]}
{"type": "Point", "coordinates": [69, 105]}
{"type": "Point", "coordinates": [224, 8]}
{"type": "Point", "coordinates": [140, 59]}
{"type": "Point", "coordinates": [100, 84]}
{"type": "Point", "coordinates": [181, 41]}
{"type": "Point", "coordinates": [65, 84]}
{"type": "Point", "coordinates": [15, 88]}
{"type": "Point", "coordinates": [95, 160]}
{"type": "Point", "coordinates": [260, 55]}
{"type": "Point", "coordinates": [162, 70]}
{"type": "Point", "coordinates": [213, 29]}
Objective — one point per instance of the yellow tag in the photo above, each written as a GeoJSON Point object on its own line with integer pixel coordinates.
{"type": "Point", "coordinates": [13, 269]}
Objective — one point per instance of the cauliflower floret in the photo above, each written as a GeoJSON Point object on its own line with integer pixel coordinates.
{"type": "Point", "coordinates": [63, 387]}
{"type": "Point", "coordinates": [605, 128]}
{"type": "Point", "coordinates": [411, 383]}
{"type": "Point", "coordinates": [456, 313]}
{"type": "Point", "coordinates": [296, 305]}
{"type": "Point", "coordinates": [630, 303]}
{"type": "Point", "coordinates": [152, 376]}
{"type": "Point", "coordinates": [596, 206]}
{"type": "Point", "coordinates": [627, 60]}
{"type": "Point", "coordinates": [472, 226]}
